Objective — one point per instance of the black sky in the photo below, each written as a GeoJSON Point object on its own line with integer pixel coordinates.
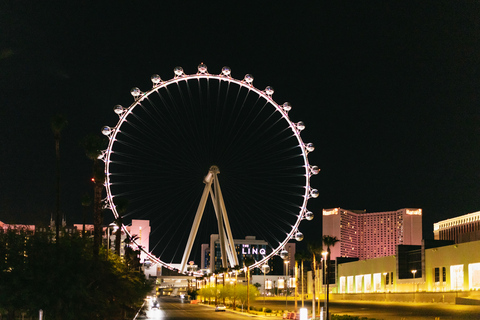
{"type": "Point", "coordinates": [388, 91]}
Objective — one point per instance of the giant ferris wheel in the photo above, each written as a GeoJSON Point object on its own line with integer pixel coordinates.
{"type": "Point", "coordinates": [177, 141]}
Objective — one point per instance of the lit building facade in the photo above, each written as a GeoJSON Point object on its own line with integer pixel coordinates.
{"type": "Point", "coordinates": [443, 268]}
{"type": "Point", "coordinates": [370, 235]}
{"type": "Point", "coordinates": [459, 229]}
{"type": "Point", "coordinates": [247, 249]}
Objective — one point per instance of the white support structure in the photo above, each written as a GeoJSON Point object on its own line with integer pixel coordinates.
{"type": "Point", "coordinates": [227, 246]}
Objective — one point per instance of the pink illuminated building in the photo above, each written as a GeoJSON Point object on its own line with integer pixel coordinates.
{"type": "Point", "coordinates": [367, 235]}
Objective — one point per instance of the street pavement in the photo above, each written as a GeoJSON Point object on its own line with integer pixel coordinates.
{"type": "Point", "coordinates": [175, 308]}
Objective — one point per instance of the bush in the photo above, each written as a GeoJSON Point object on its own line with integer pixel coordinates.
{"type": "Point", "coordinates": [268, 310]}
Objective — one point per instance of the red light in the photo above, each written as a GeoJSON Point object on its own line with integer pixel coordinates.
{"type": "Point", "coordinates": [93, 179]}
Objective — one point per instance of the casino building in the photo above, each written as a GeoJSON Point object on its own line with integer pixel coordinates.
{"type": "Point", "coordinates": [367, 235]}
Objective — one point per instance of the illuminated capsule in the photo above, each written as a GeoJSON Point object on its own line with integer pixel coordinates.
{"type": "Point", "coordinates": [309, 215]}
{"type": "Point", "coordinates": [300, 125]}
{"type": "Point", "coordinates": [314, 193]}
{"type": "Point", "coordinates": [178, 71]}
{"type": "Point", "coordinates": [248, 78]}
{"type": "Point", "coordinates": [202, 68]}
{"type": "Point", "coordinates": [135, 92]}
{"type": "Point", "coordinates": [156, 79]}
{"type": "Point", "coordinates": [299, 236]}
{"type": "Point", "coordinates": [226, 71]}
{"type": "Point", "coordinates": [310, 147]}
{"type": "Point", "coordinates": [265, 268]}
{"type": "Point", "coordinates": [118, 109]}
{"type": "Point", "coordinates": [284, 254]}
{"type": "Point", "coordinates": [287, 106]}
{"type": "Point", "coordinates": [106, 130]}
{"type": "Point", "coordinates": [269, 90]}
{"type": "Point", "coordinates": [314, 170]}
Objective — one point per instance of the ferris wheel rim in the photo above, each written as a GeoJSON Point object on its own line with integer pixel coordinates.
{"type": "Point", "coordinates": [266, 94]}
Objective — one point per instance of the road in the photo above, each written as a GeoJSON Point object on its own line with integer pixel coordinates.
{"type": "Point", "coordinates": [174, 308]}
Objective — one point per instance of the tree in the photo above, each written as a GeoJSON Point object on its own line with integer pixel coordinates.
{"type": "Point", "coordinates": [328, 241]}
{"type": "Point", "coordinates": [86, 203]}
{"type": "Point", "coordinates": [121, 204]}
{"type": "Point", "coordinates": [93, 145]}
{"type": "Point", "coordinates": [314, 248]}
{"type": "Point", "coordinates": [302, 256]}
{"type": "Point", "coordinates": [36, 273]}
{"type": "Point", "coordinates": [242, 292]}
{"type": "Point", "coordinates": [57, 123]}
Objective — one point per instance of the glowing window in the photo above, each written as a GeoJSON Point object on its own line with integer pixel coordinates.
{"type": "Point", "coordinates": [474, 276]}
{"type": "Point", "coordinates": [456, 277]}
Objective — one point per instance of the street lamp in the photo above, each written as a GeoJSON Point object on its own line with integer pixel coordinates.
{"type": "Point", "coordinates": [286, 281]}
{"type": "Point", "coordinates": [265, 269]}
{"type": "Point", "coordinates": [414, 287]}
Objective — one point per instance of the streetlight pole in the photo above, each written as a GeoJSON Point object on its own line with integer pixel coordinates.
{"type": "Point", "coordinates": [286, 282]}
{"type": "Point", "coordinates": [414, 284]}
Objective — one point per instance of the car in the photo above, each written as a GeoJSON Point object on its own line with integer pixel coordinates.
{"type": "Point", "coordinates": [220, 307]}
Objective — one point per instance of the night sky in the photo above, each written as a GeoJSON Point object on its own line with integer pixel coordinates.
{"type": "Point", "coordinates": [388, 92]}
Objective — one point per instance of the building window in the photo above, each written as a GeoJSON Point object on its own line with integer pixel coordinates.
{"type": "Point", "coordinates": [444, 274]}
{"type": "Point", "coordinates": [437, 274]}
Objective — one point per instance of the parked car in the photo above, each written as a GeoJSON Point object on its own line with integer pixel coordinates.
{"type": "Point", "coordinates": [220, 307]}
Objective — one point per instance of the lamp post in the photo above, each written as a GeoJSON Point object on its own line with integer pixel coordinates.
{"type": "Point", "coordinates": [286, 281]}
{"type": "Point", "coordinates": [265, 269]}
{"type": "Point", "coordinates": [414, 284]}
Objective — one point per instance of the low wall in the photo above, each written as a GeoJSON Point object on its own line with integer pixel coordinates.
{"type": "Point", "coordinates": [433, 297]}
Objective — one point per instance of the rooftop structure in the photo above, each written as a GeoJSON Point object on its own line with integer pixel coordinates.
{"type": "Point", "coordinates": [459, 229]}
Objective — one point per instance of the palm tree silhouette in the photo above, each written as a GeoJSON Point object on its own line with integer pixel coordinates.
{"type": "Point", "coordinates": [86, 203]}
{"type": "Point", "coordinates": [328, 241]}
{"type": "Point", "coordinates": [58, 123]}
{"type": "Point", "coordinates": [93, 145]}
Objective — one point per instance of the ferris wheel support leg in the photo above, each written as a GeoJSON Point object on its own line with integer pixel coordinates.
{"type": "Point", "coordinates": [221, 228]}
{"type": "Point", "coordinates": [231, 245]}
{"type": "Point", "coordinates": [219, 216]}
{"type": "Point", "coordinates": [196, 223]}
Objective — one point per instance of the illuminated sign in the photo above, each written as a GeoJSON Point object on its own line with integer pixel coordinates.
{"type": "Point", "coordinates": [417, 212]}
{"type": "Point", "coordinates": [247, 250]}
{"type": "Point", "coordinates": [330, 212]}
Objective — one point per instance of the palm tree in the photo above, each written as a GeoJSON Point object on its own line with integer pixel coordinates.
{"type": "Point", "coordinates": [86, 203]}
{"type": "Point", "coordinates": [328, 241]}
{"type": "Point", "coordinates": [314, 248]}
{"type": "Point", "coordinates": [58, 123]}
{"type": "Point", "coordinates": [302, 256]}
{"type": "Point", "coordinates": [121, 204]}
{"type": "Point", "coordinates": [93, 145]}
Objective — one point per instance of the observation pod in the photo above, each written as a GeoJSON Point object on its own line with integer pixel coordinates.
{"type": "Point", "coordinates": [265, 268]}
{"type": "Point", "coordinates": [299, 236]}
{"type": "Point", "coordinates": [309, 215]}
